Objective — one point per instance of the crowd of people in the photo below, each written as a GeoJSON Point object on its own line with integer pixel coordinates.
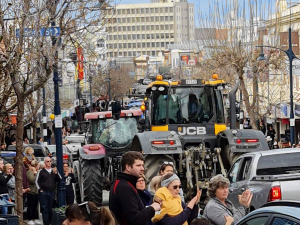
{"type": "Point", "coordinates": [131, 202]}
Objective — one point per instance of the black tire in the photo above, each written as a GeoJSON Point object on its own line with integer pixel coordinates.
{"type": "Point", "coordinates": [91, 181]}
{"type": "Point", "coordinates": [228, 157]}
{"type": "Point", "coordinates": [76, 172]}
{"type": "Point", "coordinates": [153, 164]}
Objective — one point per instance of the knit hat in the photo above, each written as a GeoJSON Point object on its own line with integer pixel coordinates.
{"type": "Point", "coordinates": [165, 183]}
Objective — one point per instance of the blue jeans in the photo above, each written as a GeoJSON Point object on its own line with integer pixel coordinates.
{"type": "Point", "coordinates": [46, 202]}
{"type": "Point", "coordinates": [5, 208]}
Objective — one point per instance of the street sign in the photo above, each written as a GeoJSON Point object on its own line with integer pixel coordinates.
{"type": "Point", "coordinates": [192, 63]}
{"type": "Point", "coordinates": [58, 121]}
{"type": "Point", "coordinates": [51, 31]}
{"type": "Point", "coordinates": [76, 103]}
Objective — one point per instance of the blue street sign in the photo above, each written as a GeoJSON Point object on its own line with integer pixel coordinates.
{"type": "Point", "coordinates": [51, 31]}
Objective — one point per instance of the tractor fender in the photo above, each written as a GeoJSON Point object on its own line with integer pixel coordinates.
{"type": "Point", "coordinates": [92, 151]}
{"type": "Point", "coordinates": [144, 142]}
{"type": "Point", "coordinates": [233, 134]}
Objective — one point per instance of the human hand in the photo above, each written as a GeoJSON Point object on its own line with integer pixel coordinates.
{"type": "Point", "coordinates": [155, 206]}
{"type": "Point", "coordinates": [54, 170]}
{"type": "Point", "coordinates": [245, 198]}
{"type": "Point", "coordinates": [228, 219]}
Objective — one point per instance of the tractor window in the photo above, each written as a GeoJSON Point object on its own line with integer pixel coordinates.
{"type": "Point", "coordinates": [159, 107]}
{"type": "Point", "coordinates": [114, 133]}
{"type": "Point", "coordinates": [219, 107]}
{"type": "Point", "coordinates": [190, 105]}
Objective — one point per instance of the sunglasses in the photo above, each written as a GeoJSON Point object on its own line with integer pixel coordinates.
{"type": "Point", "coordinates": [141, 181]}
{"type": "Point", "coordinates": [85, 205]}
{"type": "Point", "coordinates": [48, 161]}
{"type": "Point", "coordinates": [177, 187]}
{"type": "Point", "coordinates": [168, 163]}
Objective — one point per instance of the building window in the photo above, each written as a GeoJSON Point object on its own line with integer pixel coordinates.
{"type": "Point", "coordinates": [119, 20]}
{"type": "Point", "coordinates": [128, 28]}
{"type": "Point", "coordinates": [153, 44]}
{"type": "Point", "coordinates": [166, 18]}
{"type": "Point", "coordinates": [128, 19]}
{"type": "Point", "coordinates": [171, 18]}
{"type": "Point", "coordinates": [133, 28]}
{"type": "Point", "coordinates": [153, 53]}
{"type": "Point", "coordinates": [148, 27]}
{"type": "Point", "coordinates": [143, 36]}
{"type": "Point", "coordinates": [115, 29]}
{"type": "Point", "coordinates": [138, 19]}
{"type": "Point", "coordinates": [132, 11]}
{"type": "Point", "coordinates": [133, 19]}
{"type": "Point", "coordinates": [134, 45]}
{"type": "Point", "coordinates": [147, 19]}
{"type": "Point", "coordinates": [125, 45]}
{"type": "Point", "coordinates": [120, 45]}
{"type": "Point", "coordinates": [148, 36]}
{"type": "Point", "coordinates": [115, 45]}
{"type": "Point", "coordinates": [152, 10]}
{"type": "Point", "coordinates": [115, 54]}
{"type": "Point", "coordinates": [138, 36]}
{"type": "Point", "coordinates": [125, 53]}
{"type": "Point", "coordinates": [152, 19]}
{"type": "Point", "coordinates": [147, 11]}
{"type": "Point", "coordinates": [162, 44]}
{"type": "Point", "coordinates": [157, 27]}
{"type": "Point", "coordinates": [129, 45]}
{"type": "Point", "coordinates": [167, 27]}
{"type": "Point", "coordinates": [167, 36]}
{"type": "Point", "coordinates": [124, 37]}
{"type": "Point", "coordinates": [156, 10]}
{"type": "Point", "coordinates": [138, 11]}
{"type": "Point", "coordinates": [161, 10]}
{"type": "Point", "coordinates": [166, 9]}
{"type": "Point", "coordinates": [171, 9]}
{"type": "Point", "coordinates": [157, 19]}
{"type": "Point", "coordinates": [133, 36]}
{"type": "Point", "coordinates": [157, 36]}
{"type": "Point", "coordinates": [162, 35]}
{"type": "Point", "coordinates": [115, 37]}
{"type": "Point", "coordinates": [129, 53]}
{"type": "Point", "coordinates": [134, 54]}
{"type": "Point", "coordinates": [161, 18]}
{"type": "Point", "coordinates": [119, 37]}
{"type": "Point", "coordinates": [123, 20]}
{"type": "Point", "coordinates": [119, 11]}
{"type": "Point", "coordinates": [152, 36]}
{"type": "Point", "coordinates": [138, 28]}
{"type": "Point", "coordinates": [144, 45]}
{"type": "Point", "coordinates": [101, 43]}
{"type": "Point", "coordinates": [157, 44]}
{"type": "Point", "coordinates": [143, 28]}
{"type": "Point", "coordinates": [129, 37]}
{"type": "Point", "coordinates": [142, 11]}
{"type": "Point", "coordinates": [148, 44]}
{"type": "Point", "coordinates": [143, 19]}
{"type": "Point", "coordinates": [152, 27]}
{"type": "Point", "coordinates": [120, 29]}
{"type": "Point", "coordinates": [120, 53]}
{"type": "Point", "coordinates": [162, 27]}
{"type": "Point", "coordinates": [110, 54]}
{"type": "Point", "coordinates": [128, 11]}
{"type": "Point", "coordinates": [123, 11]}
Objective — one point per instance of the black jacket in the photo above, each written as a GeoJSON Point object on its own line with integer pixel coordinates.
{"type": "Point", "coordinates": [47, 181]}
{"type": "Point", "coordinates": [3, 184]}
{"type": "Point", "coordinates": [69, 180]}
{"type": "Point", "coordinates": [125, 203]}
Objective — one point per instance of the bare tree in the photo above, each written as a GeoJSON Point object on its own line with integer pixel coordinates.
{"type": "Point", "coordinates": [30, 51]}
{"type": "Point", "coordinates": [231, 50]}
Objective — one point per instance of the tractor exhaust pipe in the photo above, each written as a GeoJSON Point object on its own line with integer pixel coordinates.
{"type": "Point", "coordinates": [232, 100]}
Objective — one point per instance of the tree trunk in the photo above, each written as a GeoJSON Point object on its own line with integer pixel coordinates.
{"type": "Point", "coordinates": [34, 129]}
{"type": "Point", "coordinates": [2, 127]}
{"type": "Point", "coordinates": [247, 104]}
{"type": "Point", "coordinates": [19, 158]}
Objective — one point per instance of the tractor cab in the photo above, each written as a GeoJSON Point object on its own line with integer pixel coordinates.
{"type": "Point", "coordinates": [114, 132]}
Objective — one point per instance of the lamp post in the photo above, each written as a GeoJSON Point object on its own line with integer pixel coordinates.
{"type": "Point", "coordinates": [291, 57]}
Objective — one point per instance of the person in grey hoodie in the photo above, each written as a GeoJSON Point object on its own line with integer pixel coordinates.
{"type": "Point", "coordinates": [219, 206]}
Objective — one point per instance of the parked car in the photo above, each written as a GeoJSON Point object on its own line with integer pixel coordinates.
{"type": "Point", "coordinates": [40, 151]}
{"type": "Point", "coordinates": [274, 213]}
{"type": "Point", "coordinates": [67, 154]}
{"type": "Point", "coordinates": [270, 175]}
{"type": "Point", "coordinates": [8, 157]}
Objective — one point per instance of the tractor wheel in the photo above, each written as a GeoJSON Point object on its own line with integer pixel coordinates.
{"type": "Point", "coordinates": [234, 156]}
{"type": "Point", "coordinates": [91, 181]}
{"type": "Point", "coordinates": [153, 164]}
{"type": "Point", "coordinates": [228, 157]}
{"type": "Point", "coordinates": [76, 172]}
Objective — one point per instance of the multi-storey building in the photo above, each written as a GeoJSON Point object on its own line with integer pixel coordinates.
{"type": "Point", "coordinates": [146, 29]}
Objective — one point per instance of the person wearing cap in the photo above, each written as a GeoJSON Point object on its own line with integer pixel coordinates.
{"type": "Point", "coordinates": [173, 210]}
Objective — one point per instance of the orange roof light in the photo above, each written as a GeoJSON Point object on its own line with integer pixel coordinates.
{"type": "Point", "coordinates": [159, 77]}
{"type": "Point", "coordinates": [143, 108]}
{"type": "Point", "coordinates": [215, 76]}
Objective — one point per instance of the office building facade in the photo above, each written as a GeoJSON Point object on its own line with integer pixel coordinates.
{"type": "Point", "coordinates": [146, 29]}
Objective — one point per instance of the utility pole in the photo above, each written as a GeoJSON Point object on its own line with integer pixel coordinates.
{"type": "Point", "coordinates": [90, 80]}
{"type": "Point", "coordinates": [61, 195]}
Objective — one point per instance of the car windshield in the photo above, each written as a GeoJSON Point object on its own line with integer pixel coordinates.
{"type": "Point", "coordinates": [114, 133]}
{"type": "Point", "coordinates": [52, 148]}
{"type": "Point", "coordinates": [190, 105]}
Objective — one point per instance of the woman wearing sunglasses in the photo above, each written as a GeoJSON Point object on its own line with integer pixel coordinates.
{"type": "Point", "coordinates": [173, 210]}
{"type": "Point", "coordinates": [87, 213]}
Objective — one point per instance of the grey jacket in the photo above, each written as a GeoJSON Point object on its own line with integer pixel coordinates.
{"type": "Point", "coordinates": [214, 211]}
{"type": "Point", "coordinates": [11, 184]}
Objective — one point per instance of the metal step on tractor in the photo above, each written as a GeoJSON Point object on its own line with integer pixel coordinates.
{"type": "Point", "coordinates": [110, 135]}
{"type": "Point", "coordinates": [185, 124]}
